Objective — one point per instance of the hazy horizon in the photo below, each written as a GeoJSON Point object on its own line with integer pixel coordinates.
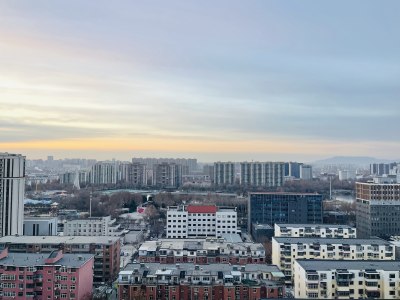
{"type": "Point", "coordinates": [227, 80]}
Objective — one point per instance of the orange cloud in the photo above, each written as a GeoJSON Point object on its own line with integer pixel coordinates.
{"type": "Point", "coordinates": [189, 145]}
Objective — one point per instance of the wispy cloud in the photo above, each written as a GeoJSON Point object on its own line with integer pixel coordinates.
{"type": "Point", "coordinates": [223, 77]}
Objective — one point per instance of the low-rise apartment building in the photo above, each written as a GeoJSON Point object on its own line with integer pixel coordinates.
{"type": "Point", "coordinates": [315, 230]}
{"type": "Point", "coordinates": [195, 221]}
{"type": "Point", "coordinates": [286, 250]}
{"type": "Point", "coordinates": [332, 279]}
{"type": "Point", "coordinates": [102, 226]}
{"type": "Point", "coordinates": [43, 277]}
{"type": "Point", "coordinates": [185, 281]}
{"type": "Point", "coordinates": [106, 250]}
{"type": "Point", "coordinates": [201, 251]}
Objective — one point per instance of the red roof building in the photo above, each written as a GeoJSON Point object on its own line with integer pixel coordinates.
{"type": "Point", "coordinates": [199, 221]}
{"type": "Point", "coordinates": [202, 209]}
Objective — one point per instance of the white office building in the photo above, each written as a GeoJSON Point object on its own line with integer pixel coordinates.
{"type": "Point", "coordinates": [286, 250]}
{"type": "Point", "coordinates": [347, 175]}
{"type": "Point", "coordinates": [306, 172]}
{"type": "Point", "coordinates": [333, 279]}
{"type": "Point", "coordinates": [200, 221]}
{"type": "Point", "coordinates": [103, 226]}
{"type": "Point", "coordinates": [315, 230]}
{"type": "Point", "coordinates": [40, 226]}
{"type": "Point", "coordinates": [12, 190]}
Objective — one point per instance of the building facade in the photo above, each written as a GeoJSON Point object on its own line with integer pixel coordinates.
{"type": "Point", "coordinates": [103, 173]}
{"type": "Point", "coordinates": [133, 173]}
{"type": "Point", "coordinates": [315, 230]}
{"type": "Point", "coordinates": [12, 192]}
{"type": "Point", "coordinates": [40, 226]}
{"type": "Point", "coordinates": [224, 173]}
{"type": "Point", "coordinates": [194, 221]}
{"type": "Point", "coordinates": [286, 250]}
{"type": "Point", "coordinates": [185, 281]}
{"type": "Point", "coordinates": [101, 226]}
{"type": "Point", "coordinates": [306, 172]}
{"type": "Point", "coordinates": [332, 279]}
{"type": "Point", "coordinates": [378, 209]}
{"type": "Point", "coordinates": [265, 174]}
{"type": "Point", "coordinates": [271, 208]}
{"type": "Point", "coordinates": [380, 169]}
{"type": "Point", "coordinates": [167, 175]}
{"type": "Point", "coordinates": [292, 169]}
{"type": "Point", "coordinates": [201, 251]}
{"type": "Point", "coordinates": [44, 277]}
{"type": "Point", "coordinates": [105, 249]}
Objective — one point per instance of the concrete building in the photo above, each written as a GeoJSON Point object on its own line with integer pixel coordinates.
{"type": "Point", "coordinates": [333, 279]}
{"type": "Point", "coordinates": [306, 172]}
{"type": "Point", "coordinates": [185, 281]}
{"type": "Point", "coordinates": [201, 251]}
{"type": "Point", "coordinates": [40, 226]}
{"type": "Point", "coordinates": [224, 173]}
{"type": "Point", "coordinates": [70, 177]}
{"type": "Point", "coordinates": [194, 221]}
{"type": "Point", "coordinates": [12, 191]}
{"type": "Point", "coordinates": [286, 250]}
{"type": "Point", "coordinates": [346, 175]}
{"type": "Point", "coordinates": [262, 232]}
{"type": "Point", "coordinates": [103, 173]}
{"type": "Point", "coordinates": [264, 174]}
{"type": "Point", "coordinates": [315, 230]}
{"type": "Point", "coordinates": [189, 165]}
{"type": "Point", "coordinates": [167, 175]}
{"type": "Point", "coordinates": [378, 209]}
{"type": "Point", "coordinates": [380, 169]}
{"type": "Point", "coordinates": [101, 226]}
{"type": "Point", "coordinates": [271, 208]}
{"type": "Point", "coordinates": [133, 173]}
{"type": "Point", "coordinates": [292, 169]}
{"type": "Point", "coordinates": [105, 249]}
{"type": "Point", "coordinates": [43, 277]}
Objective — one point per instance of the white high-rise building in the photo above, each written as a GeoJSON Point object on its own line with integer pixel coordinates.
{"type": "Point", "coordinates": [306, 172]}
{"type": "Point", "coordinates": [266, 174]}
{"type": "Point", "coordinates": [103, 173]}
{"type": "Point", "coordinates": [224, 173]}
{"type": "Point", "coordinates": [12, 190]}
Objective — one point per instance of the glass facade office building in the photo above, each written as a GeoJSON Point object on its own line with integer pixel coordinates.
{"type": "Point", "coordinates": [271, 208]}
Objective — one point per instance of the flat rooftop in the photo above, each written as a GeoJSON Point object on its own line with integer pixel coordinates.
{"type": "Point", "coordinates": [327, 265]}
{"type": "Point", "coordinates": [314, 240]}
{"type": "Point", "coordinates": [24, 239]}
{"type": "Point", "coordinates": [213, 268]}
{"type": "Point", "coordinates": [283, 193]}
{"type": "Point", "coordinates": [36, 259]}
{"type": "Point", "coordinates": [315, 225]}
{"type": "Point", "coordinates": [26, 218]}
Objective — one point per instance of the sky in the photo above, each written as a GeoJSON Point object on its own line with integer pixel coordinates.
{"type": "Point", "coordinates": [215, 80]}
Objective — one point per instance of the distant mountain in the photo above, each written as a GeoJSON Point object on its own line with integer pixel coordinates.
{"type": "Point", "coordinates": [351, 160]}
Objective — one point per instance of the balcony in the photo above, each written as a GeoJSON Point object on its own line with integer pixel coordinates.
{"type": "Point", "coordinates": [313, 278]}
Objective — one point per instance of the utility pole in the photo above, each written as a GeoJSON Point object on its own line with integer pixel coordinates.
{"type": "Point", "coordinates": [90, 204]}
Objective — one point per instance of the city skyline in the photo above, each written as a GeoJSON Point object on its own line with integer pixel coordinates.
{"type": "Point", "coordinates": [216, 81]}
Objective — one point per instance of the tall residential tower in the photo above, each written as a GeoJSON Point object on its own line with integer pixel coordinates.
{"type": "Point", "coordinates": [12, 190]}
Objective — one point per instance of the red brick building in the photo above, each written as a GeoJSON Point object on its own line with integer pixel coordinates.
{"type": "Point", "coordinates": [185, 281]}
